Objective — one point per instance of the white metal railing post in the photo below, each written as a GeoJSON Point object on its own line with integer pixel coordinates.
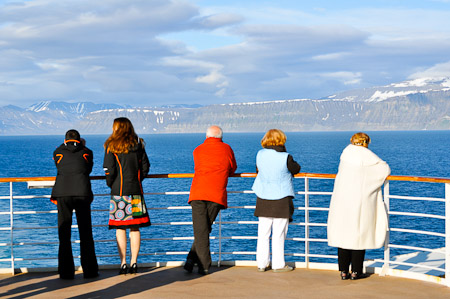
{"type": "Point", "coordinates": [387, 252]}
{"type": "Point", "coordinates": [447, 234]}
{"type": "Point", "coordinates": [307, 222]}
{"type": "Point", "coordinates": [220, 239]}
{"type": "Point", "coordinates": [11, 221]}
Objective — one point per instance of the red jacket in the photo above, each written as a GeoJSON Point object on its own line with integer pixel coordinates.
{"type": "Point", "coordinates": [214, 162]}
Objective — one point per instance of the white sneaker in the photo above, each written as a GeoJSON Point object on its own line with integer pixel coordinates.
{"type": "Point", "coordinates": [264, 269]}
{"type": "Point", "coordinates": [284, 269]}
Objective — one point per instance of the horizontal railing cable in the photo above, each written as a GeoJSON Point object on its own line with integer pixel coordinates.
{"type": "Point", "coordinates": [438, 250]}
{"type": "Point", "coordinates": [411, 265]}
{"type": "Point", "coordinates": [417, 215]}
{"type": "Point", "coordinates": [413, 231]}
{"type": "Point", "coordinates": [417, 198]}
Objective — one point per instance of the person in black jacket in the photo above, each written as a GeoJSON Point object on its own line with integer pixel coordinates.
{"type": "Point", "coordinates": [72, 191]}
{"type": "Point", "coordinates": [126, 165]}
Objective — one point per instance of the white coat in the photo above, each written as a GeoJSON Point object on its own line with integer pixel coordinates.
{"type": "Point", "coordinates": [357, 218]}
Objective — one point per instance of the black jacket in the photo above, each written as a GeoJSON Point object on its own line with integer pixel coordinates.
{"type": "Point", "coordinates": [125, 172]}
{"type": "Point", "coordinates": [74, 163]}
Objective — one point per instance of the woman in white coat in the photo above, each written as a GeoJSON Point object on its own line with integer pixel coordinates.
{"type": "Point", "coordinates": [357, 219]}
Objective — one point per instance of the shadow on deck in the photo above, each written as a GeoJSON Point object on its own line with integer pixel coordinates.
{"type": "Point", "coordinates": [223, 282]}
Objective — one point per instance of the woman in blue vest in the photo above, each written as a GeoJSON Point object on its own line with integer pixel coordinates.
{"type": "Point", "coordinates": [274, 206]}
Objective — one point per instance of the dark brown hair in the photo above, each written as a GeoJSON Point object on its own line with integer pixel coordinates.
{"type": "Point", "coordinates": [122, 138]}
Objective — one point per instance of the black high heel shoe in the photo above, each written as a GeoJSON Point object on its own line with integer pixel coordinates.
{"type": "Point", "coordinates": [123, 269]}
{"type": "Point", "coordinates": [357, 275]}
{"type": "Point", "coordinates": [133, 269]}
{"type": "Point", "coordinates": [345, 275]}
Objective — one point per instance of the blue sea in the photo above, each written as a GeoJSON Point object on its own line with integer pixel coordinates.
{"type": "Point", "coordinates": [412, 153]}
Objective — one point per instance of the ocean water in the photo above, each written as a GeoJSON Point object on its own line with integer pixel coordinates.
{"type": "Point", "coordinates": [417, 153]}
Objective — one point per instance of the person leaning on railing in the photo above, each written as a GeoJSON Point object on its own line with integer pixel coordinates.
{"type": "Point", "coordinates": [214, 162]}
{"type": "Point", "coordinates": [126, 165]}
{"type": "Point", "coordinates": [357, 218]}
{"type": "Point", "coordinates": [72, 191]}
{"type": "Point", "coordinates": [274, 206]}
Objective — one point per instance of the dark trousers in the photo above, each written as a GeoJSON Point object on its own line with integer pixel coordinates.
{"type": "Point", "coordinates": [354, 257]}
{"type": "Point", "coordinates": [82, 207]}
{"type": "Point", "coordinates": [203, 215]}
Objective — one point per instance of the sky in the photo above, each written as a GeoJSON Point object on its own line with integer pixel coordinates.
{"type": "Point", "coordinates": [148, 53]}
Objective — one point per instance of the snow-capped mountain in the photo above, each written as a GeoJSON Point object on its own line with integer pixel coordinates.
{"type": "Point", "coordinates": [145, 120]}
{"type": "Point", "coordinates": [78, 110]}
{"type": "Point", "coordinates": [383, 93]}
{"type": "Point", "coordinates": [420, 104]}
{"type": "Point", "coordinates": [46, 117]}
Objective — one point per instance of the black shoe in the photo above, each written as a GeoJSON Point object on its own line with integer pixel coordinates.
{"type": "Point", "coordinates": [189, 265]}
{"type": "Point", "coordinates": [203, 271]}
{"type": "Point", "coordinates": [123, 269]}
{"type": "Point", "coordinates": [357, 275]}
{"type": "Point", "coordinates": [345, 275]}
{"type": "Point", "coordinates": [133, 269]}
{"type": "Point", "coordinates": [66, 277]}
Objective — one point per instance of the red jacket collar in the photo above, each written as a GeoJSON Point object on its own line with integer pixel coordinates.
{"type": "Point", "coordinates": [213, 139]}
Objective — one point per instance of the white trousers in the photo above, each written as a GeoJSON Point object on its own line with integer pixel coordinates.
{"type": "Point", "coordinates": [278, 227]}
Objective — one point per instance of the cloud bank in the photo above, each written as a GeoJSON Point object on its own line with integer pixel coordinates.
{"type": "Point", "coordinates": [154, 52]}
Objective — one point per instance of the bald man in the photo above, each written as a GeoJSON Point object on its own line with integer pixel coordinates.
{"type": "Point", "coordinates": [214, 163]}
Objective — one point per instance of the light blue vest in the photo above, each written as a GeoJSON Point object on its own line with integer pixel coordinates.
{"type": "Point", "coordinates": [274, 180]}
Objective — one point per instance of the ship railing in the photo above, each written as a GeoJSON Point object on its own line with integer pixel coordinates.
{"type": "Point", "coordinates": [383, 266]}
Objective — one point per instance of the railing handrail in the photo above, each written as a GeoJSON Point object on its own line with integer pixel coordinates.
{"type": "Point", "coordinates": [307, 223]}
{"type": "Point", "coordinates": [244, 174]}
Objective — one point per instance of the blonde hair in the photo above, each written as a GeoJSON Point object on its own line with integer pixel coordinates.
{"type": "Point", "coordinates": [122, 138]}
{"type": "Point", "coordinates": [273, 137]}
{"type": "Point", "coordinates": [361, 139]}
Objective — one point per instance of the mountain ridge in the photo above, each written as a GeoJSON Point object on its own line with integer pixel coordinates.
{"type": "Point", "coordinates": [419, 104]}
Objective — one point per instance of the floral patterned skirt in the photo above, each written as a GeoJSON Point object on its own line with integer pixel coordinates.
{"type": "Point", "coordinates": [121, 216]}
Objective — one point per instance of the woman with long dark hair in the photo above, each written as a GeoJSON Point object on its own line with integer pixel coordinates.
{"type": "Point", "coordinates": [126, 165]}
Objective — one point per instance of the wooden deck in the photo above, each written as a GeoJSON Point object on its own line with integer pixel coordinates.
{"type": "Point", "coordinates": [223, 282]}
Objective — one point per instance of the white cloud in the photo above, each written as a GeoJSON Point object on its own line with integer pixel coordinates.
{"type": "Point", "coordinates": [221, 92]}
{"type": "Point", "coordinates": [437, 71]}
{"type": "Point", "coordinates": [169, 51]}
{"type": "Point", "coordinates": [347, 78]}
{"type": "Point", "coordinates": [52, 66]}
{"type": "Point", "coordinates": [212, 78]}
{"type": "Point", "coordinates": [217, 79]}
{"type": "Point", "coordinates": [329, 56]}
{"type": "Point", "coordinates": [219, 20]}
{"type": "Point", "coordinates": [189, 62]}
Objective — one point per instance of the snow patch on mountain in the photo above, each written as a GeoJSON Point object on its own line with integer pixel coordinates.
{"type": "Point", "coordinates": [41, 106]}
{"type": "Point", "coordinates": [382, 96]}
{"type": "Point", "coordinates": [383, 93]}
{"type": "Point", "coordinates": [266, 102]}
{"type": "Point", "coordinates": [441, 81]}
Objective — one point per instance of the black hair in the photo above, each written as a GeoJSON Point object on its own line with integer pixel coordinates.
{"type": "Point", "coordinates": [72, 135]}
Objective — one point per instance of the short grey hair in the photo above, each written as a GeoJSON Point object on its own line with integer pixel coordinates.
{"type": "Point", "coordinates": [214, 131]}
